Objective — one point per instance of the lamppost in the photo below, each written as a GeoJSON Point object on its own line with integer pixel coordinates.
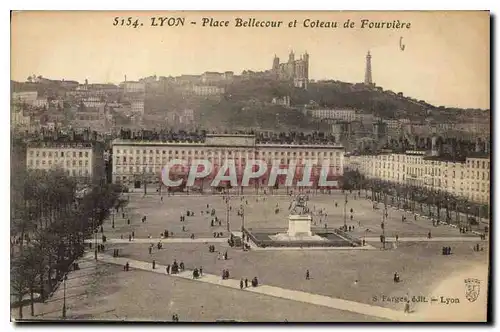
{"type": "Point", "coordinates": [113, 214]}
{"type": "Point", "coordinates": [383, 228]}
{"type": "Point", "coordinates": [345, 213]}
{"type": "Point", "coordinates": [64, 296]}
{"type": "Point", "coordinates": [242, 212]}
{"type": "Point", "coordinates": [227, 210]}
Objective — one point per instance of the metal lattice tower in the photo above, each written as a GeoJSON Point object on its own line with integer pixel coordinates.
{"type": "Point", "coordinates": [368, 70]}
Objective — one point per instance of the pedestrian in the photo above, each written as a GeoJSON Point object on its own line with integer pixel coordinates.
{"type": "Point", "coordinates": [241, 284]}
{"type": "Point", "coordinates": [307, 275]}
{"type": "Point", "coordinates": [407, 307]}
{"type": "Point", "coordinates": [181, 265]}
{"type": "Point", "coordinates": [397, 238]}
{"type": "Point", "coordinates": [127, 266]}
{"type": "Point", "coordinates": [133, 234]}
{"type": "Point", "coordinates": [121, 236]}
{"type": "Point", "coordinates": [246, 282]}
{"type": "Point", "coordinates": [429, 235]}
{"type": "Point", "coordinates": [154, 264]}
{"type": "Point", "coordinates": [129, 237]}
{"type": "Point", "coordinates": [201, 271]}
{"type": "Point", "coordinates": [161, 198]}
{"type": "Point", "coordinates": [150, 250]}
{"type": "Point", "coordinates": [102, 229]}
{"type": "Point", "coordinates": [128, 221]}
{"type": "Point", "coordinates": [167, 269]}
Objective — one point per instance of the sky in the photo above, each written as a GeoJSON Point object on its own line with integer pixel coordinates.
{"type": "Point", "coordinates": [445, 61]}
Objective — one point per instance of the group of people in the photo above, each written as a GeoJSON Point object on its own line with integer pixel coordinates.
{"type": "Point", "coordinates": [218, 234]}
{"type": "Point", "coordinates": [222, 256]}
{"type": "Point", "coordinates": [197, 273]}
{"type": "Point", "coordinates": [215, 220]}
{"type": "Point", "coordinates": [244, 283]}
{"type": "Point", "coordinates": [225, 274]}
{"type": "Point", "coordinates": [176, 268]}
{"type": "Point", "coordinates": [396, 277]}
{"type": "Point", "coordinates": [446, 251]}
{"type": "Point", "coordinates": [478, 247]}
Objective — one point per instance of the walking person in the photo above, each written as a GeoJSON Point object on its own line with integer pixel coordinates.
{"type": "Point", "coordinates": [241, 284]}
{"type": "Point", "coordinates": [167, 269]}
{"type": "Point", "coordinates": [407, 307]}
{"type": "Point", "coordinates": [308, 276]}
{"type": "Point", "coordinates": [154, 264]}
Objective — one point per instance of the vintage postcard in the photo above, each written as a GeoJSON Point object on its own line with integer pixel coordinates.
{"type": "Point", "coordinates": [184, 166]}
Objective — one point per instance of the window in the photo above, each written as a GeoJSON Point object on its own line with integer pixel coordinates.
{"type": "Point", "coordinates": [50, 154]}
{"type": "Point", "coordinates": [44, 154]}
{"type": "Point", "coordinates": [74, 154]}
{"type": "Point", "coordinates": [62, 154]}
{"type": "Point", "coordinates": [86, 154]}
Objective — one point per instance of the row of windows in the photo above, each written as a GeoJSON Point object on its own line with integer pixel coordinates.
{"type": "Point", "coordinates": [76, 171]}
{"type": "Point", "coordinates": [49, 162]}
{"type": "Point", "coordinates": [477, 163]}
{"type": "Point", "coordinates": [484, 164]}
{"type": "Point", "coordinates": [153, 169]}
{"type": "Point", "coordinates": [241, 161]}
{"type": "Point", "coordinates": [474, 175]}
{"type": "Point", "coordinates": [228, 152]}
{"type": "Point", "coordinates": [49, 154]}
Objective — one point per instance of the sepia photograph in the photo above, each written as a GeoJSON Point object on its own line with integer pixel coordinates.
{"type": "Point", "coordinates": [250, 166]}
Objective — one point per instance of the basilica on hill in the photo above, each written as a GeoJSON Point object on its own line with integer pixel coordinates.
{"type": "Point", "coordinates": [293, 70]}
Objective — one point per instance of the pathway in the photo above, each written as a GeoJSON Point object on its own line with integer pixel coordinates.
{"type": "Point", "coordinates": [156, 240]}
{"type": "Point", "coordinates": [294, 295]}
{"type": "Point", "coordinates": [425, 239]}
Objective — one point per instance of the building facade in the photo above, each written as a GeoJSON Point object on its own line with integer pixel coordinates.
{"type": "Point", "coordinates": [206, 90]}
{"type": "Point", "coordinates": [334, 114]}
{"type": "Point", "coordinates": [469, 178]}
{"type": "Point", "coordinates": [136, 162]}
{"type": "Point", "coordinates": [82, 160]}
{"type": "Point", "coordinates": [25, 97]}
{"type": "Point", "coordinates": [133, 87]}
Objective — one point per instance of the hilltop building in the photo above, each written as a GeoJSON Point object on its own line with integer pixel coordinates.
{"type": "Point", "coordinates": [294, 70]}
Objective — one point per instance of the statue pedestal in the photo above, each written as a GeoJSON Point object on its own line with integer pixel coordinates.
{"type": "Point", "coordinates": [299, 225]}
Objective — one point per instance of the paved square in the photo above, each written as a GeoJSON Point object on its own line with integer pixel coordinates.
{"type": "Point", "coordinates": [362, 276]}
